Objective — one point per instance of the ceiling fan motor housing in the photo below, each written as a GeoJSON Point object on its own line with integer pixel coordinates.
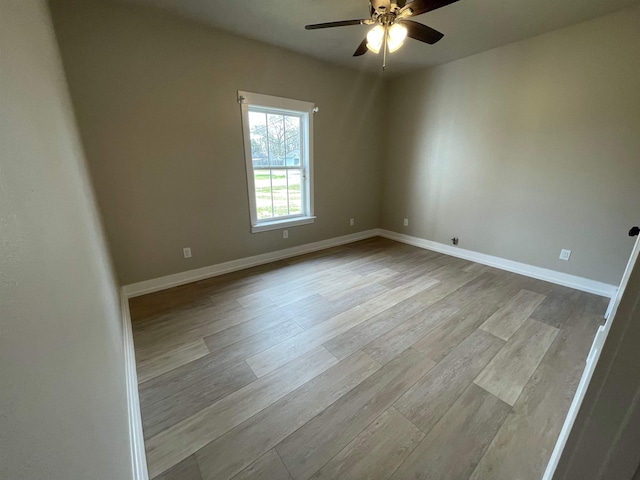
{"type": "Point", "coordinates": [386, 6]}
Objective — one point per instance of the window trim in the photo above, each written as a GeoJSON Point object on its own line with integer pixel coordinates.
{"type": "Point", "coordinates": [249, 99]}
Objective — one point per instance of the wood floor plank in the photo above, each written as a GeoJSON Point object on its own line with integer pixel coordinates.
{"type": "Point", "coordinates": [220, 317]}
{"type": "Point", "coordinates": [396, 295]}
{"type": "Point", "coordinates": [347, 288]}
{"type": "Point", "coordinates": [152, 344]}
{"type": "Point", "coordinates": [164, 362]}
{"type": "Point", "coordinates": [183, 297]}
{"type": "Point", "coordinates": [238, 448]}
{"type": "Point", "coordinates": [246, 282]}
{"type": "Point", "coordinates": [183, 377]}
{"type": "Point", "coordinates": [535, 285]}
{"type": "Point", "coordinates": [317, 280]}
{"type": "Point", "coordinates": [358, 296]}
{"type": "Point", "coordinates": [272, 358]}
{"type": "Point", "coordinates": [409, 273]}
{"type": "Point", "coordinates": [159, 415]}
{"type": "Point", "coordinates": [182, 318]}
{"type": "Point", "coordinates": [367, 268]}
{"type": "Point", "coordinates": [187, 469]}
{"type": "Point", "coordinates": [316, 314]}
{"type": "Point", "coordinates": [388, 346]}
{"type": "Point", "coordinates": [429, 399]}
{"type": "Point", "coordinates": [594, 304]}
{"type": "Point", "coordinates": [326, 281]}
{"type": "Point", "coordinates": [557, 306]}
{"type": "Point", "coordinates": [510, 370]}
{"type": "Point", "coordinates": [456, 263]}
{"type": "Point", "coordinates": [267, 467]}
{"type": "Point", "coordinates": [248, 334]}
{"type": "Point", "coordinates": [315, 443]}
{"type": "Point", "coordinates": [186, 437]}
{"type": "Point", "coordinates": [448, 272]}
{"type": "Point", "coordinates": [359, 336]}
{"type": "Point", "coordinates": [377, 452]}
{"type": "Point", "coordinates": [284, 292]}
{"type": "Point", "coordinates": [481, 268]}
{"type": "Point", "coordinates": [522, 447]}
{"type": "Point", "coordinates": [340, 251]}
{"type": "Point", "coordinates": [348, 258]}
{"type": "Point", "coordinates": [508, 319]}
{"type": "Point", "coordinates": [466, 429]}
{"type": "Point", "coordinates": [255, 344]}
{"type": "Point", "coordinates": [258, 299]}
{"type": "Point", "coordinates": [447, 335]}
{"type": "Point", "coordinates": [455, 285]}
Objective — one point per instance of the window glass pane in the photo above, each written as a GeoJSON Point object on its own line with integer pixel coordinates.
{"type": "Point", "coordinates": [279, 192]}
{"type": "Point", "coordinates": [292, 140]}
{"type": "Point", "coordinates": [295, 192]}
{"type": "Point", "coordinates": [277, 156]}
{"type": "Point", "coordinates": [258, 137]}
{"type": "Point", "coordinates": [264, 205]}
{"type": "Point", "coordinates": [276, 133]}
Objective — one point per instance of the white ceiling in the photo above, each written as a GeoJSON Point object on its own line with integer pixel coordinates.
{"type": "Point", "coordinates": [470, 26]}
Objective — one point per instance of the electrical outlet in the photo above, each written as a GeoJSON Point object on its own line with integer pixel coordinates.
{"type": "Point", "coordinates": [565, 254]}
{"type": "Point", "coordinates": [352, 222]}
{"type": "Point", "coordinates": [406, 222]}
{"type": "Point", "coordinates": [285, 233]}
{"type": "Point", "coordinates": [186, 251]}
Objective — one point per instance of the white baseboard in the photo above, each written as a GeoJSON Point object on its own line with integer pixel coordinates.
{"type": "Point", "coordinates": [136, 437]}
{"type": "Point", "coordinates": [162, 283]}
{"type": "Point", "coordinates": [572, 281]}
{"type": "Point", "coordinates": [559, 278]}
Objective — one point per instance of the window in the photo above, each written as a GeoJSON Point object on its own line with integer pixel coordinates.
{"type": "Point", "coordinates": [278, 151]}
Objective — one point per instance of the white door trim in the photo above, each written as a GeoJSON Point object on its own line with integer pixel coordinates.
{"type": "Point", "coordinates": [592, 360]}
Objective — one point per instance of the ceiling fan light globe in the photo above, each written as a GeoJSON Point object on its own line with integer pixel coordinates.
{"type": "Point", "coordinates": [375, 38]}
{"type": "Point", "coordinates": [397, 36]}
{"type": "Point", "coordinates": [373, 49]}
{"type": "Point", "coordinates": [397, 32]}
{"type": "Point", "coordinates": [394, 46]}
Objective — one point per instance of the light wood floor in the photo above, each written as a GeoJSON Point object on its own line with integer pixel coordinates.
{"type": "Point", "coordinates": [371, 360]}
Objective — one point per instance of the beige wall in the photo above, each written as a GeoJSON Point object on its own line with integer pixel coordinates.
{"type": "Point", "coordinates": [519, 151]}
{"type": "Point", "coordinates": [155, 97]}
{"type": "Point", "coordinates": [63, 408]}
{"type": "Point", "coordinates": [526, 149]}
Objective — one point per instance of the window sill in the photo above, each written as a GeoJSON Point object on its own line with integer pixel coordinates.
{"type": "Point", "coordinates": [276, 224]}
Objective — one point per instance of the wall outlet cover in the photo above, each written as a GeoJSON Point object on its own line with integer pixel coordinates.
{"type": "Point", "coordinates": [565, 254]}
{"type": "Point", "coordinates": [406, 222]}
{"type": "Point", "coordinates": [352, 221]}
{"type": "Point", "coordinates": [285, 233]}
{"type": "Point", "coordinates": [186, 252]}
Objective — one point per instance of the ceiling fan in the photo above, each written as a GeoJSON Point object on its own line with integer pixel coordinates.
{"type": "Point", "coordinates": [392, 25]}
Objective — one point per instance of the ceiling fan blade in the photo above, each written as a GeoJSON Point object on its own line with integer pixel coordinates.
{"type": "Point", "coordinates": [362, 48]}
{"type": "Point", "coordinates": [418, 7]}
{"type": "Point", "coordinates": [421, 32]}
{"type": "Point", "coordinates": [343, 23]}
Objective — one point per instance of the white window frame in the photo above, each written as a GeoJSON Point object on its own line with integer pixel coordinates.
{"type": "Point", "coordinates": [280, 105]}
